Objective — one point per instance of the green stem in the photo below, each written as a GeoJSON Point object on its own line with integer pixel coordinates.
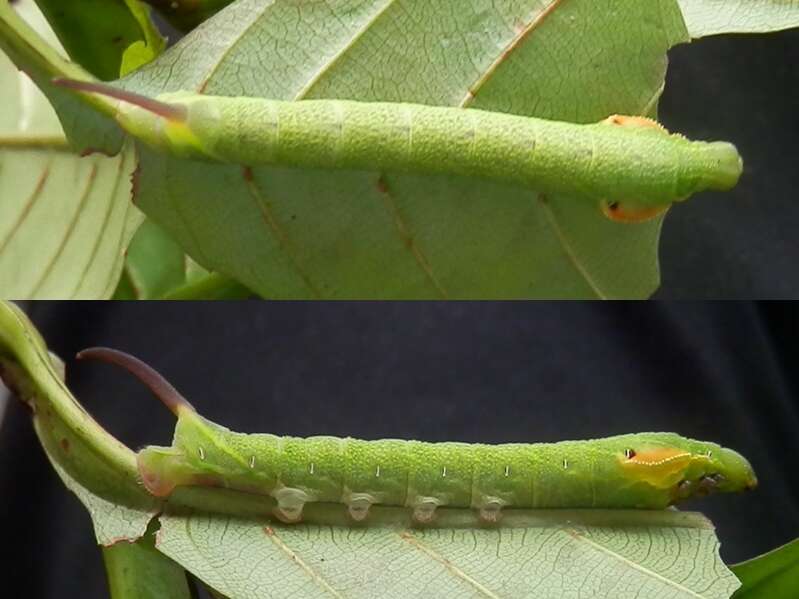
{"type": "Point", "coordinates": [213, 286]}
{"type": "Point", "coordinates": [69, 434]}
{"type": "Point", "coordinates": [35, 142]}
{"type": "Point", "coordinates": [139, 571]}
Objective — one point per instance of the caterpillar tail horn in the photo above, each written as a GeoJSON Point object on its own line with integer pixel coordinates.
{"type": "Point", "coordinates": [170, 112]}
{"type": "Point", "coordinates": [159, 386]}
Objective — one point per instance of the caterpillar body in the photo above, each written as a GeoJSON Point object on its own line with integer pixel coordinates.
{"type": "Point", "coordinates": [631, 166]}
{"type": "Point", "coordinates": [644, 470]}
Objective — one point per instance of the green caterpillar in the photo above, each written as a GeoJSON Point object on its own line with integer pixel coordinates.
{"type": "Point", "coordinates": [646, 470]}
{"type": "Point", "coordinates": [631, 166]}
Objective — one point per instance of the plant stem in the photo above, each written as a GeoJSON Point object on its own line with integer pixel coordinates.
{"type": "Point", "coordinates": [212, 286]}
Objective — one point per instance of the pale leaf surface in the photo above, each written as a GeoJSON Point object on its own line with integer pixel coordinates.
{"type": "Point", "coordinates": [65, 221]}
{"type": "Point", "coordinates": [710, 17]}
{"type": "Point", "coordinates": [544, 553]}
{"type": "Point", "coordinates": [311, 233]}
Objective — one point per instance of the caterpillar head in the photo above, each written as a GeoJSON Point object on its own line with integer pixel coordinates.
{"type": "Point", "coordinates": [684, 468]}
{"type": "Point", "coordinates": [718, 470]}
{"type": "Point", "coordinates": [715, 166]}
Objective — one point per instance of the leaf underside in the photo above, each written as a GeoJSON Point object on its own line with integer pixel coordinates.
{"type": "Point", "coordinates": [561, 554]}
{"type": "Point", "coordinates": [290, 233]}
{"type": "Point", "coordinates": [534, 553]}
{"type": "Point", "coordinates": [710, 17]}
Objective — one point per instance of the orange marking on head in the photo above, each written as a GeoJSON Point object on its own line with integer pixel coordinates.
{"type": "Point", "coordinates": [634, 121]}
{"type": "Point", "coordinates": [616, 211]}
{"type": "Point", "coordinates": [661, 467]}
{"type": "Point", "coordinates": [654, 457]}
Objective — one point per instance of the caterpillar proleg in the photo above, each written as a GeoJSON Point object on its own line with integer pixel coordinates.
{"type": "Point", "coordinates": [631, 166]}
{"type": "Point", "coordinates": [643, 470]}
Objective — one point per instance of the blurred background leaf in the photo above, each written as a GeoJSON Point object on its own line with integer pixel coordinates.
{"type": "Point", "coordinates": [65, 221]}
{"type": "Point", "coordinates": [108, 38]}
{"type": "Point", "coordinates": [773, 575]}
{"type": "Point", "coordinates": [710, 17]}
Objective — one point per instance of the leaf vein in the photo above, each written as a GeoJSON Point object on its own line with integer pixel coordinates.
{"type": "Point", "coordinates": [103, 228]}
{"type": "Point", "coordinates": [448, 565]}
{"type": "Point", "coordinates": [69, 231]}
{"type": "Point", "coordinates": [406, 238]}
{"type": "Point", "coordinates": [631, 564]}
{"type": "Point", "coordinates": [277, 231]}
{"type": "Point", "coordinates": [315, 576]}
{"type": "Point", "coordinates": [27, 206]}
{"type": "Point", "coordinates": [324, 68]}
{"type": "Point", "coordinates": [568, 250]}
{"type": "Point", "coordinates": [256, 19]}
{"type": "Point", "coordinates": [537, 19]}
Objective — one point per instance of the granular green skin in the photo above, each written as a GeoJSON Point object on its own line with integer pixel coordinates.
{"type": "Point", "coordinates": [642, 165]}
{"type": "Point", "coordinates": [568, 474]}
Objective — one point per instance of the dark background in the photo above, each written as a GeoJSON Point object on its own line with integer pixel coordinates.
{"type": "Point", "coordinates": [743, 243]}
{"type": "Point", "coordinates": [475, 372]}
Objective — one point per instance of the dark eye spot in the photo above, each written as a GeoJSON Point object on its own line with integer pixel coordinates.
{"type": "Point", "coordinates": [613, 206]}
{"type": "Point", "coordinates": [629, 453]}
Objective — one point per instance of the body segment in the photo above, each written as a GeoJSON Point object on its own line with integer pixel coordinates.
{"type": "Point", "coordinates": [631, 166]}
{"type": "Point", "coordinates": [618, 162]}
{"type": "Point", "coordinates": [643, 470]}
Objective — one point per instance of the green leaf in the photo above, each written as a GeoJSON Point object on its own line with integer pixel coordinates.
{"type": "Point", "coordinates": [113, 522]}
{"type": "Point", "coordinates": [305, 233]}
{"type": "Point", "coordinates": [108, 37]}
{"type": "Point", "coordinates": [138, 571]}
{"type": "Point", "coordinates": [210, 286]}
{"type": "Point", "coordinates": [292, 233]}
{"type": "Point", "coordinates": [156, 267]}
{"type": "Point", "coordinates": [64, 220]}
{"type": "Point", "coordinates": [773, 575]}
{"type": "Point", "coordinates": [155, 264]}
{"type": "Point", "coordinates": [544, 553]}
{"type": "Point", "coordinates": [710, 17]}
